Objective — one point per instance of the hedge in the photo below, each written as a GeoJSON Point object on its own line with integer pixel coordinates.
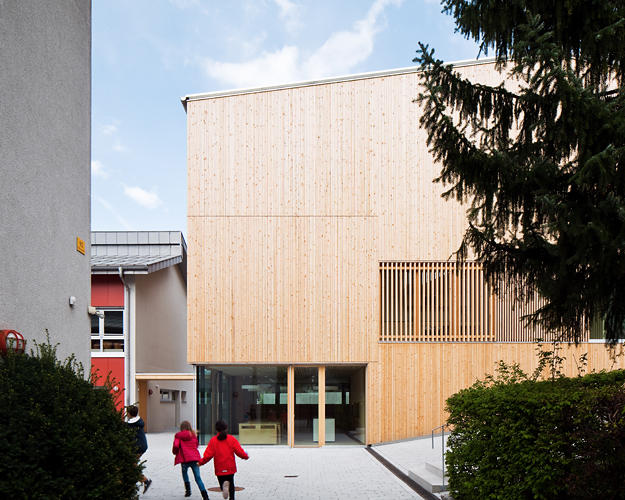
{"type": "Point", "coordinates": [60, 436]}
{"type": "Point", "coordinates": [524, 439]}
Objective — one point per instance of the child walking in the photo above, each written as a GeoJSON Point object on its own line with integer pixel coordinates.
{"type": "Point", "coordinates": [136, 422]}
{"type": "Point", "coordinates": [223, 448]}
{"type": "Point", "coordinates": [187, 455]}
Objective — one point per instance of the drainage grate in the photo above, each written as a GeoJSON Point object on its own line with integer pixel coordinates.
{"type": "Point", "coordinates": [290, 476]}
{"type": "Point", "coordinates": [218, 489]}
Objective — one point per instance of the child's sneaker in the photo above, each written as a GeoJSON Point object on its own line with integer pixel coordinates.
{"type": "Point", "coordinates": [225, 489]}
{"type": "Point", "coordinates": [146, 485]}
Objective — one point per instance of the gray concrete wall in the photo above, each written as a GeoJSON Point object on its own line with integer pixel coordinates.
{"type": "Point", "coordinates": [45, 173]}
{"type": "Point", "coordinates": [165, 416]}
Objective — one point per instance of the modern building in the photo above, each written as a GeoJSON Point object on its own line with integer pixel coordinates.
{"type": "Point", "coordinates": [325, 306]}
{"type": "Point", "coordinates": [138, 334]}
{"type": "Point", "coordinates": [45, 172]}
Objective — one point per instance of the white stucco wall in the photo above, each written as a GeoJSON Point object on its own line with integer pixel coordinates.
{"type": "Point", "coordinates": [161, 322]}
{"type": "Point", "coordinates": [162, 415]}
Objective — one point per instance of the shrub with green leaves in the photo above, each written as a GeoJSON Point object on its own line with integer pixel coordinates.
{"type": "Point", "coordinates": [517, 438]}
{"type": "Point", "coordinates": [60, 436]}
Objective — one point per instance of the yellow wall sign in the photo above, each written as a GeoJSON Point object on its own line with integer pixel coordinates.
{"type": "Point", "coordinates": [80, 246]}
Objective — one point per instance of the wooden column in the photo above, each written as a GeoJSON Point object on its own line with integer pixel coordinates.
{"type": "Point", "coordinates": [291, 406]}
{"type": "Point", "coordinates": [143, 402]}
{"type": "Point", "coordinates": [322, 405]}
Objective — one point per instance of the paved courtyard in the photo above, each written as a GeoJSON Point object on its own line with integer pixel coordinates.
{"type": "Point", "coordinates": [327, 473]}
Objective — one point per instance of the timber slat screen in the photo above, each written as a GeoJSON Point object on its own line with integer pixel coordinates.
{"type": "Point", "coordinates": [452, 302]}
{"type": "Point", "coordinates": [435, 302]}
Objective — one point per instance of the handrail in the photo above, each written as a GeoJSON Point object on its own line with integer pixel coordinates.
{"type": "Point", "coordinates": [435, 428]}
{"type": "Point", "coordinates": [443, 452]}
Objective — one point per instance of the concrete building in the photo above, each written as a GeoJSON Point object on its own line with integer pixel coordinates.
{"type": "Point", "coordinates": [138, 334]}
{"type": "Point", "coordinates": [45, 175]}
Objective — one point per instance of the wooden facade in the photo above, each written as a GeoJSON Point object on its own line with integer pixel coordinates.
{"type": "Point", "coordinates": [300, 199]}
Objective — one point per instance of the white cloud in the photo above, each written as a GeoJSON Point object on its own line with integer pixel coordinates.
{"type": "Point", "coordinates": [97, 169]}
{"type": "Point", "coordinates": [337, 56]}
{"type": "Point", "coordinates": [118, 146]}
{"type": "Point", "coordinates": [119, 218]}
{"type": "Point", "coordinates": [142, 197]}
{"type": "Point", "coordinates": [250, 47]}
{"type": "Point", "coordinates": [269, 67]}
{"type": "Point", "coordinates": [346, 49]}
{"type": "Point", "coordinates": [290, 13]}
{"type": "Point", "coordinates": [109, 129]}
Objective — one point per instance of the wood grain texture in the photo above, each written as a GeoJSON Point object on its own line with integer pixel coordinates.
{"type": "Point", "coordinates": [410, 383]}
{"type": "Point", "coordinates": [295, 197]}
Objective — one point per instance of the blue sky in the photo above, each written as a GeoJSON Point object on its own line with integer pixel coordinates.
{"type": "Point", "coordinates": [146, 54]}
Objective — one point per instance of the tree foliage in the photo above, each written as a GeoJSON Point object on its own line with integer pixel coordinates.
{"type": "Point", "coordinates": [540, 157]}
{"type": "Point", "coordinates": [60, 436]}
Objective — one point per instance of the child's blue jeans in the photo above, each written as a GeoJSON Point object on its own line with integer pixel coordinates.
{"type": "Point", "coordinates": [196, 473]}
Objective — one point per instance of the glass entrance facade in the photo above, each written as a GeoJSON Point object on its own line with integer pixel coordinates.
{"type": "Point", "coordinates": [254, 402]}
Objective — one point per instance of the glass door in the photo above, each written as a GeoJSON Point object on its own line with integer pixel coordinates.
{"type": "Point", "coordinates": [306, 408]}
{"type": "Point", "coordinates": [345, 405]}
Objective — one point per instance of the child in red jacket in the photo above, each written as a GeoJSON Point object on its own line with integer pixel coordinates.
{"type": "Point", "coordinates": [187, 454]}
{"type": "Point", "coordinates": [223, 448]}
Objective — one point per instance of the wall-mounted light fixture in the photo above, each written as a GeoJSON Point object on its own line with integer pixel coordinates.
{"type": "Point", "coordinates": [96, 312]}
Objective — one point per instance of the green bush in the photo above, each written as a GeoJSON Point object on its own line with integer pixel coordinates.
{"type": "Point", "coordinates": [60, 436]}
{"type": "Point", "coordinates": [516, 438]}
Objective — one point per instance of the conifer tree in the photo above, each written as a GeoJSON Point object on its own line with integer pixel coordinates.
{"type": "Point", "coordinates": [540, 158]}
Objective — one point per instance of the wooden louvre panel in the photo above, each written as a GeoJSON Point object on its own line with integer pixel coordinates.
{"type": "Point", "coordinates": [510, 318]}
{"type": "Point", "coordinates": [435, 302]}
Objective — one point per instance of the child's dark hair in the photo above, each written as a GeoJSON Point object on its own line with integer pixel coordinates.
{"type": "Point", "coordinates": [133, 411]}
{"type": "Point", "coordinates": [221, 427]}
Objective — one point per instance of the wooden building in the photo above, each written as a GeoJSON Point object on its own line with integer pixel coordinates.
{"type": "Point", "coordinates": [319, 278]}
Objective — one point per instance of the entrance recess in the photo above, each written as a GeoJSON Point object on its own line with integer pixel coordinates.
{"type": "Point", "coordinates": [290, 405]}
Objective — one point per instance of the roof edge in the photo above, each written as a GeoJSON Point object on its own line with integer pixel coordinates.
{"type": "Point", "coordinates": [323, 81]}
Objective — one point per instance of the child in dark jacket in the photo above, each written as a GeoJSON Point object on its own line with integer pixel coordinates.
{"type": "Point", "coordinates": [187, 454]}
{"type": "Point", "coordinates": [223, 448]}
{"type": "Point", "coordinates": [136, 422]}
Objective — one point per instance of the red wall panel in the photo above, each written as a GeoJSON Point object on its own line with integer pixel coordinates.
{"type": "Point", "coordinates": [107, 290]}
{"type": "Point", "coordinates": [114, 366]}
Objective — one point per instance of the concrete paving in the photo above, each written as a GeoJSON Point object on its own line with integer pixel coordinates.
{"type": "Point", "coordinates": [328, 473]}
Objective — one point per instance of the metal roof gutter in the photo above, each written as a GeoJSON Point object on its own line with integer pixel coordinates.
{"type": "Point", "coordinates": [323, 81]}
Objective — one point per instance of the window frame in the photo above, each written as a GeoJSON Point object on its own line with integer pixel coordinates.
{"type": "Point", "coordinates": [101, 336]}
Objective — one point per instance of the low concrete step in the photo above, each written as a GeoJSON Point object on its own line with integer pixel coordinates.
{"type": "Point", "coordinates": [429, 480]}
{"type": "Point", "coordinates": [435, 468]}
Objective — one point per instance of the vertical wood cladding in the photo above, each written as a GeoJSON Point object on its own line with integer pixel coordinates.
{"type": "Point", "coordinates": [295, 197]}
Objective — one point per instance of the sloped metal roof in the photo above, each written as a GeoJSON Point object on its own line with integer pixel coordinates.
{"type": "Point", "coordinates": [137, 252]}
{"type": "Point", "coordinates": [323, 81]}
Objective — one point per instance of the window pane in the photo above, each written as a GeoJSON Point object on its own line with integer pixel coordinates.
{"type": "Point", "coordinates": [116, 345]}
{"type": "Point", "coordinates": [113, 323]}
{"type": "Point", "coordinates": [95, 344]}
{"type": "Point", "coordinates": [252, 400]}
{"type": "Point", "coordinates": [345, 416]}
{"type": "Point", "coordinates": [95, 325]}
{"type": "Point", "coordinates": [306, 405]}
